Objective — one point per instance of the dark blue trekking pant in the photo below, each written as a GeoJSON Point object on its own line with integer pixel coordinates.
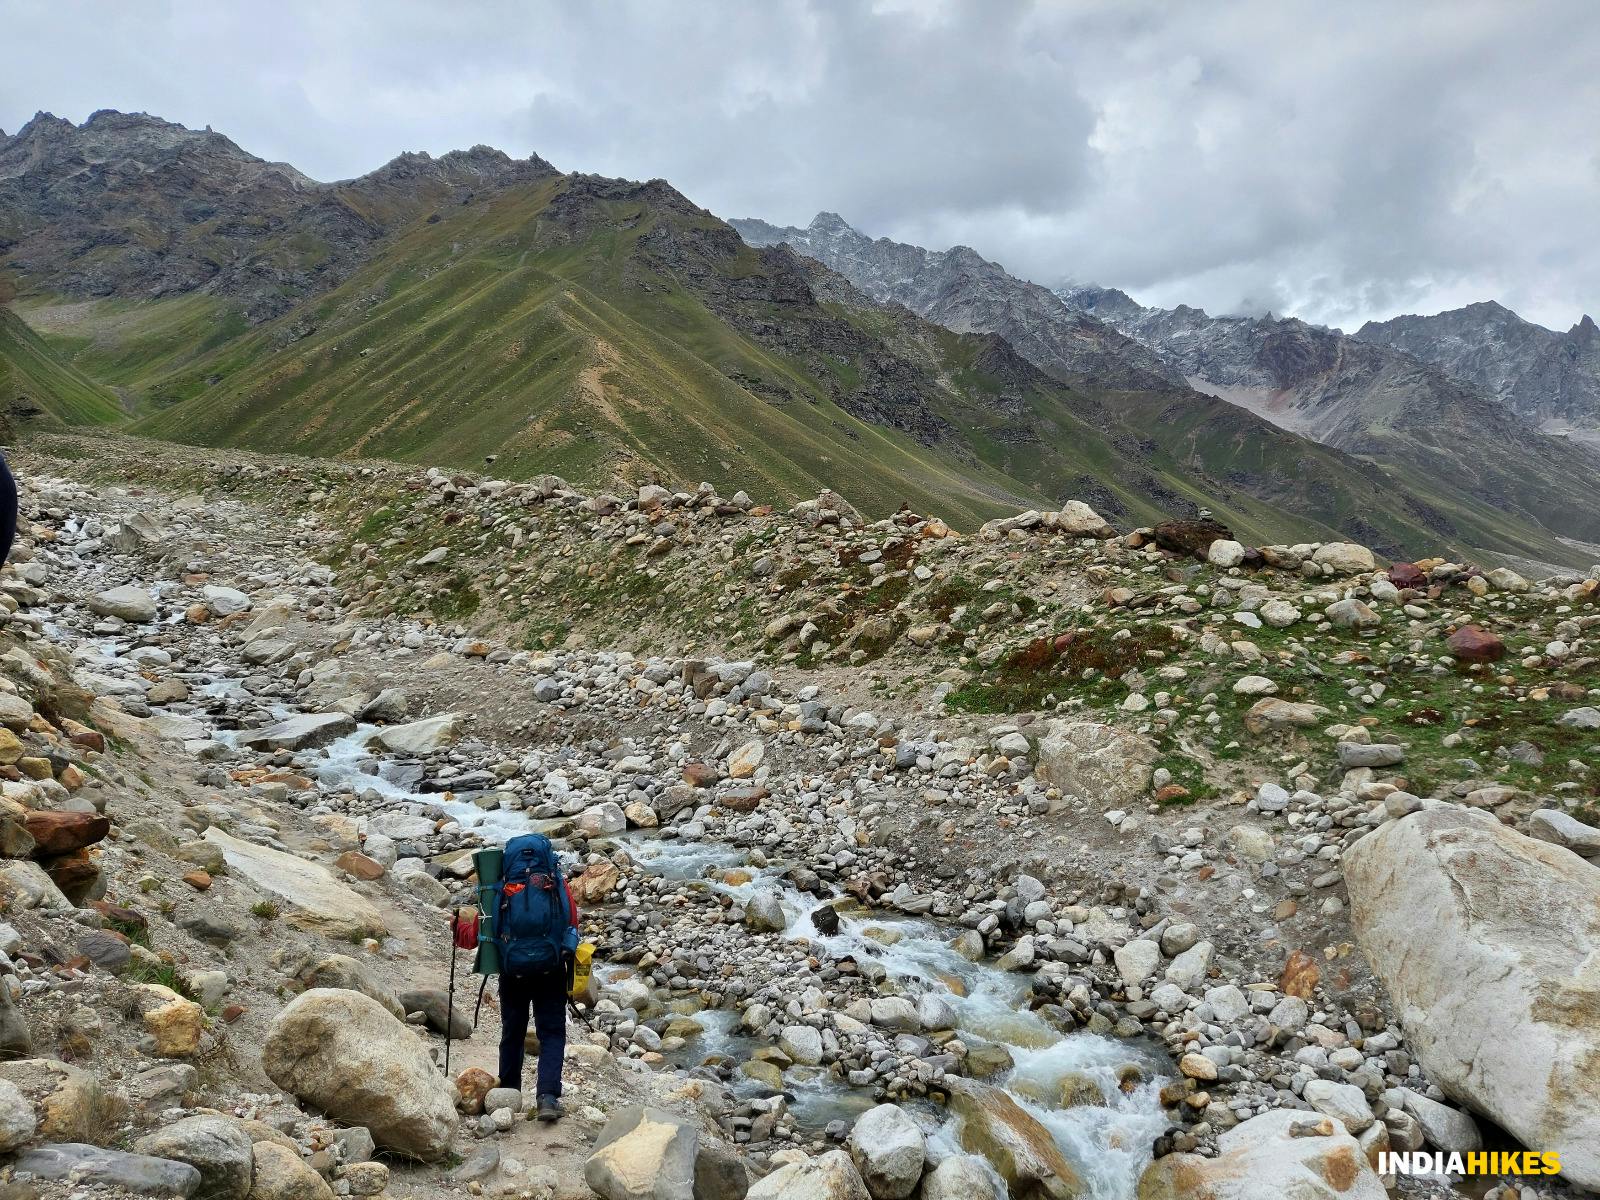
{"type": "Point", "coordinates": [546, 995]}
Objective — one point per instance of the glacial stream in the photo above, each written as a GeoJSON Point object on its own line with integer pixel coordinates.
{"type": "Point", "coordinates": [1108, 1141]}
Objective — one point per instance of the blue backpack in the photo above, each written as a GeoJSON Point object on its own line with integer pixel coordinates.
{"type": "Point", "coordinates": [533, 928]}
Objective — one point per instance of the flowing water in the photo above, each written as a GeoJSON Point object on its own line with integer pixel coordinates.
{"type": "Point", "coordinates": [1108, 1141]}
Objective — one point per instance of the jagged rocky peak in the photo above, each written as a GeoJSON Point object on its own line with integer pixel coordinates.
{"type": "Point", "coordinates": [51, 147]}
{"type": "Point", "coordinates": [479, 164]}
{"type": "Point", "coordinates": [832, 222]}
{"type": "Point", "coordinates": [964, 291]}
{"type": "Point", "coordinates": [1548, 376]}
{"type": "Point", "coordinates": [1111, 305]}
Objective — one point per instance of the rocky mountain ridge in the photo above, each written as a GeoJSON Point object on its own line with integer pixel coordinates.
{"type": "Point", "coordinates": [961, 290]}
{"type": "Point", "coordinates": [1549, 377]}
{"type": "Point", "coordinates": [1372, 396]}
{"type": "Point", "coordinates": [1353, 395]}
{"type": "Point", "coordinates": [129, 205]}
{"type": "Point", "coordinates": [616, 332]}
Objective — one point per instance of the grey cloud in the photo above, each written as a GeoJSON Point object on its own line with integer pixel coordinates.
{"type": "Point", "coordinates": [1334, 161]}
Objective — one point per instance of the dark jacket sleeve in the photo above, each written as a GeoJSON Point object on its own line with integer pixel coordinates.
{"type": "Point", "coordinates": [8, 511]}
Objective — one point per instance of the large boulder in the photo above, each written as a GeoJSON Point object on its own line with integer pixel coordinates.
{"type": "Point", "coordinates": [1077, 519]}
{"type": "Point", "coordinates": [305, 731]}
{"type": "Point", "coordinates": [595, 883]}
{"type": "Point", "coordinates": [1272, 715]}
{"type": "Point", "coordinates": [1473, 644]}
{"type": "Point", "coordinates": [1448, 1129]}
{"type": "Point", "coordinates": [763, 911]}
{"type": "Point", "coordinates": [643, 1154]}
{"type": "Point", "coordinates": [281, 1174]}
{"type": "Point", "coordinates": [1488, 942]}
{"type": "Point", "coordinates": [216, 1146]}
{"type": "Point", "coordinates": [998, 1128]}
{"type": "Point", "coordinates": [830, 1176]}
{"type": "Point", "coordinates": [224, 601]}
{"type": "Point", "coordinates": [18, 1121]}
{"type": "Point", "coordinates": [961, 1177]}
{"type": "Point", "coordinates": [79, 1163]}
{"type": "Point", "coordinates": [58, 831]}
{"type": "Point", "coordinates": [1098, 762]}
{"type": "Point", "coordinates": [68, 1100]}
{"type": "Point", "coordinates": [25, 885]}
{"type": "Point", "coordinates": [421, 737]}
{"type": "Point", "coordinates": [889, 1151]}
{"type": "Point", "coordinates": [802, 1044]}
{"type": "Point", "coordinates": [1280, 1154]}
{"type": "Point", "coordinates": [315, 899]}
{"type": "Point", "coordinates": [130, 602]}
{"type": "Point", "coordinates": [1345, 558]}
{"type": "Point", "coordinates": [343, 1053]}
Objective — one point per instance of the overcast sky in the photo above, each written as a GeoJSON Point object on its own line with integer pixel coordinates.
{"type": "Point", "coordinates": [1337, 161]}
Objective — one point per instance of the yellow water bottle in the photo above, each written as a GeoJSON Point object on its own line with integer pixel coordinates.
{"type": "Point", "coordinates": [579, 989]}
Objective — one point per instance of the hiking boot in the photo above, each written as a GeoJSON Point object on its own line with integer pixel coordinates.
{"type": "Point", "coordinates": [550, 1109]}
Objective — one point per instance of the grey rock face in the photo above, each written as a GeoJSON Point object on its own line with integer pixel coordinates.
{"type": "Point", "coordinates": [960, 289]}
{"type": "Point", "coordinates": [137, 1173]}
{"type": "Point", "coordinates": [1539, 373]}
{"type": "Point", "coordinates": [217, 1147]}
{"type": "Point", "coordinates": [70, 188]}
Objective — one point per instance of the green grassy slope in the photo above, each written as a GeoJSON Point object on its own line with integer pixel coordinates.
{"type": "Point", "coordinates": [1396, 510]}
{"type": "Point", "coordinates": [600, 357]}
{"type": "Point", "coordinates": [1176, 451]}
{"type": "Point", "coordinates": [485, 335]}
{"type": "Point", "coordinates": [128, 343]}
{"type": "Point", "coordinates": [35, 384]}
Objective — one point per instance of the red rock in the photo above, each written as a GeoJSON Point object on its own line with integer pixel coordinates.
{"type": "Point", "coordinates": [64, 832]}
{"type": "Point", "coordinates": [698, 774]}
{"type": "Point", "coordinates": [1407, 575]}
{"type": "Point", "coordinates": [359, 865]}
{"type": "Point", "coordinates": [1475, 645]}
{"type": "Point", "coordinates": [75, 874]}
{"type": "Point", "coordinates": [233, 1012]}
{"type": "Point", "coordinates": [473, 1084]}
{"type": "Point", "coordinates": [123, 918]}
{"type": "Point", "coordinates": [742, 801]}
{"type": "Point", "coordinates": [197, 879]}
{"type": "Point", "coordinates": [81, 735]}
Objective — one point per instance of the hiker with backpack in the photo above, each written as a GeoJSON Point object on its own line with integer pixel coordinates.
{"type": "Point", "coordinates": [536, 934]}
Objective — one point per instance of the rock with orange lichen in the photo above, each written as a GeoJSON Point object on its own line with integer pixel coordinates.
{"type": "Point", "coordinates": [1282, 1153]}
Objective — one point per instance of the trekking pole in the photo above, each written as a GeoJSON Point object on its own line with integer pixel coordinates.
{"type": "Point", "coordinates": [577, 1012]}
{"type": "Point", "coordinates": [450, 1004]}
{"type": "Point", "coordinates": [478, 1008]}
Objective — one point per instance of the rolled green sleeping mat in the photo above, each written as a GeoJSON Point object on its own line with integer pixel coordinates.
{"type": "Point", "coordinates": [488, 863]}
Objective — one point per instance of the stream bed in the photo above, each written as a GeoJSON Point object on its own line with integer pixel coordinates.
{"type": "Point", "coordinates": [1107, 1136]}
